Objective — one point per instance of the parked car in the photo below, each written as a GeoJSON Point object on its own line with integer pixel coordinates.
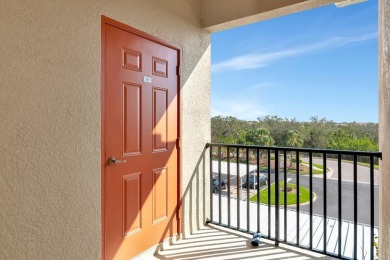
{"type": "Point", "coordinates": [216, 185]}
{"type": "Point", "coordinates": [253, 181]}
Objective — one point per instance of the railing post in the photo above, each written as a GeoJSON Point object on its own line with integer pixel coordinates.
{"type": "Point", "coordinates": [258, 189]}
{"type": "Point", "coordinates": [311, 197]}
{"type": "Point", "coordinates": [247, 191]}
{"type": "Point", "coordinates": [340, 203]}
{"type": "Point", "coordinates": [277, 197]}
{"type": "Point", "coordinates": [355, 206]}
{"type": "Point", "coordinates": [238, 178]}
{"type": "Point", "coordinates": [269, 192]}
{"type": "Point", "coordinates": [298, 197]}
{"type": "Point", "coordinates": [285, 195]}
{"type": "Point", "coordinates": [372, 207]}
{"type": "Point", "coordinates": [325, 204]}
{"type": "Point", "coordinates": [211, 183]}
{"type": "Point", "coordinates": [228, 184]}
{"type": "Point", "coordinates": [219, 187]}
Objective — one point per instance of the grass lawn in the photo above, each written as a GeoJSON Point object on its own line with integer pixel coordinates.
{"type": "Point", "coordinates": [315, 171]}
{"type": "Point", "coordinates": [376, 166]}
{"type": "Point", "coordinates": [317, 165]}
{"type": "Point", "coordinates": [304, 195]}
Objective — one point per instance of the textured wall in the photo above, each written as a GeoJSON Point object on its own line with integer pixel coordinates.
{"type": "Point", "coordinates": [50, 116]}
{"type": "Point", "coordinates": [384, 128]}
{"type": "Point", "coordinates": [50, 130]}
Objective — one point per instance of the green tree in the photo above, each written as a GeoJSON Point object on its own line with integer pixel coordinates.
{"type": "Point", "coordinates": [276, 125]}
{"type": "Point", "coordinates": [292, 139]}
{"type": "Point", "coordinates": [342, 140]}
{"type": "Point", "coordinates": [339, 140]}
{"type": "Point", "coordinates": [227, 130]}
{"type": "Point", "coordinates": [259, 136]}
{"type": "Point", "coordinates": [317, 133]}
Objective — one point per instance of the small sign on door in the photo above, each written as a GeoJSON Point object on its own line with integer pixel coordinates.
{"type": "Point", "coordinates": [147, 79]}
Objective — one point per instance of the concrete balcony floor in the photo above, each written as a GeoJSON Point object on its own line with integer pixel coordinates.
{"type": "Point", "coordinates": [214, 242]}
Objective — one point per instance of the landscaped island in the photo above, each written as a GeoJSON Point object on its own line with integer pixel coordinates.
{"type": "Point", "coordinates": [304, 194]}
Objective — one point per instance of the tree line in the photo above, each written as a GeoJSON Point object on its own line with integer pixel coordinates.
{"type": "Point", "coordinates": [277, 131]}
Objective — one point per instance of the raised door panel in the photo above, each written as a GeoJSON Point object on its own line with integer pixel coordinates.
{"type": "Point", "coordinates": [160, 67]}
{"type": "Point", "coordinates": [160, 194]}
{"type": "Point", "coordinates": [131, 59]}
{"type": "Point", "coordinates": [160, 119]}
{"type": "Point", "coordinates": [132, 115]}
{"type": "Point", "coordinates": [131, 204]}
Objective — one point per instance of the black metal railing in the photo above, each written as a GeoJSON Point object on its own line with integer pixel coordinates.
{"type": "Point", "coordinates": [328, 223]}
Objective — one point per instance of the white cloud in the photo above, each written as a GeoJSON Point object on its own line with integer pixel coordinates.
{"type": "Point", "coordinates": [258, 60]}
{"type": "Point", "coordinates": [241, 109]}
{"type": "Point", "coordinates": [247, 104]}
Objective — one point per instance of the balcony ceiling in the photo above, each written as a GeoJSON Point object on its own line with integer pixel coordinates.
{"type": "Point", "coordinates": [220, 15]}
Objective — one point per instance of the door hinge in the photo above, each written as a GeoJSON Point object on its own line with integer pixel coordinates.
{"type": "Point", "coordinates": [178, 70]}
{"type": "Point", "coordinates": [178, 142]}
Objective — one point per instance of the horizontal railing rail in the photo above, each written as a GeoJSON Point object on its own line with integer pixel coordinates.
{"type": "Point", "coordinates": [313, 150]}
{"type": "Point", "coordinates": [240, 203]}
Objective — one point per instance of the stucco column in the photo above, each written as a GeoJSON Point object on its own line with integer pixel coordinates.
{"type": "Point", "coordinates": [384, 128]}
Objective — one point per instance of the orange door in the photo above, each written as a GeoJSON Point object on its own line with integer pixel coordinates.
{"type": "Point", "coordinates": [140, 176]}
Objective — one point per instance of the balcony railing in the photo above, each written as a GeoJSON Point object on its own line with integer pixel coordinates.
{"type": "Point", "coordinates": [339, 218]}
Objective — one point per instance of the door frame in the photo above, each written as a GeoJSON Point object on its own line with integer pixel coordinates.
{"type": "Point", "coordinates": [108, 21]}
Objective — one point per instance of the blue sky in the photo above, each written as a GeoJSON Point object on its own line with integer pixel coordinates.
{"type": "Point", "coordinates": [322, 62]}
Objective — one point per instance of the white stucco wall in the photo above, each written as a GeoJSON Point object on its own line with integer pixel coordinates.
{"type": "Point", "coordinates": [384, 128]}
{"type": "Point", "coordinates": [50, 189]}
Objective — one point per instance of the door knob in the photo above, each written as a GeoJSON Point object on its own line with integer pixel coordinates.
{"type": "Point", "coordinates": [112, 160]}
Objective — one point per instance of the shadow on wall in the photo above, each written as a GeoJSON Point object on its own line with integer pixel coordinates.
{"type": "Point", "coordinates": [196, 197]}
